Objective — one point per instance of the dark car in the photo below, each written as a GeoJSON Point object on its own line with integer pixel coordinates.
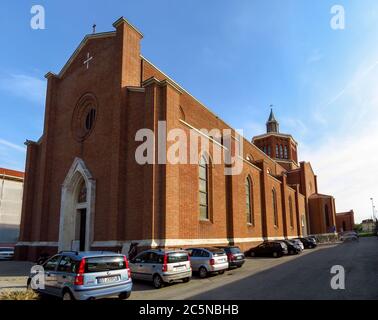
{"type": "Point", "coordinates": [268, 249]}
{"type": "Point", "coordinates": [234, 255]}
{"type": "Point", "coordinates": [292, 247]}
{"type": "Point", "coordinates": [312, 238]}
{"type": "Point", "coordinates": [308, 244]}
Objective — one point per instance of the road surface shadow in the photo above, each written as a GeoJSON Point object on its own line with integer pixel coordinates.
{"type": "Point", "coordinates": [308, 277]}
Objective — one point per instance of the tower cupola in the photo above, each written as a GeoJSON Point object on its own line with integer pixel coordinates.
{"type": "Point", "coordinates": [272, 124]}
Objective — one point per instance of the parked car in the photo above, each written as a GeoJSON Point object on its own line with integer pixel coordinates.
{"type": "Point", "coordinates": [6, 253]}
{"type": "Point", "coordinates": [349, 237]}
{"type": "Point", "coordinates": [161, 266]}
{"type": "Point", "coordinates": [312, 238]}
{"type": "Point", "coordinates": [85, 275]}
{"type": "Point", "coordinates": [298, 242]}
{"type": "Point", "coordinates": [353, 233]}
{"type": "Point", "coordinates": [308, 244]}
{"type": "Point", "coordinates": [292, 247]}
{"type": "Point", "coordinates": [234, 255]}
{"type": "Point", "coordinates": [208, 260]}
{"type": "Point", "coordinates": [268, 249]}
{"type": "Point", "coordinates": [42, 258]}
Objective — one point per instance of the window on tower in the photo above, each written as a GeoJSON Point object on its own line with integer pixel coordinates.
{"type": "Point", "coordinates": [277, 151]}
{"type": "Point", "coordinates": [285, 153]}
{"type": "Point", "coordinates": [281, 151]}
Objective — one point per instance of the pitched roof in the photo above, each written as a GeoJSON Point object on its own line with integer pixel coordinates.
{"type": "Point", "coordinates": [11, 173]}
{"type": "Point", "coordinates": [271, 116]}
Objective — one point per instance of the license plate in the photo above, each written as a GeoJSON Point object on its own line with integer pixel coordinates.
{"type": "Point", "coordinates": [238, 258]}
{"type": "Point", "coordinates": [108, 279]}
{"type": "Point", "coordinates": [221, 260]}
{"type": "Point", "coordinates": [180, 268]}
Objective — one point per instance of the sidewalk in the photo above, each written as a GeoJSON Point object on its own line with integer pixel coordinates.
{"type": "Point", "coordinates": [14, 274]}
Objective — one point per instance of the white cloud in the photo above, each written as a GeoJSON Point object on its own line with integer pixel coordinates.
{"type": "Point", "coordinates": [345, 159]}
{"type": "Point", "coordinates": [12, 155]}
{"type": "Point", "coordinates": [24, 86]}
{"type": "Point", "coordinates": [12, 145]}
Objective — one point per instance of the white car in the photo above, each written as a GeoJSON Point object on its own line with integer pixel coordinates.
{"type": "Point", "coordinates": [349, 237]}
{"type": "Point", "coordinates": [6, 253]}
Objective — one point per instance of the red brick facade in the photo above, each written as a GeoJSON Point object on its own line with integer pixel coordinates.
{"type": "Point", "coordinates": [345, 221]}
{"type": "Point", "coordinates": [93, 112]}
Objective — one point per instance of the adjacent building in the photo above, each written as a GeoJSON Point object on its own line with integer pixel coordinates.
{"type": "Point", "coordinates": [368, 225]}
{"type": "Point", "coordinates": [11, 189]}
{"type": "Point", "coordinates": [345, 221]}
{"type": "Point", "coordinates": [85, 190]}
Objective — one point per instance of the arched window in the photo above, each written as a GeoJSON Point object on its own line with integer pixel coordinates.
{"type": "Point", "coordinates": [274, 203]}
{"type": "Point", "coordinates": [204, 189]}
{"type": "Point", "coordinates": [281, 151]}
{"type": "Point", "coordinates": [90, 119]}
{"type": "Point", "coordinates": [249, 200]}
{"type": "Point", "coordinates": [285, 153]}
{"type": "Point", "coordinates": [277, 152]}
{"type": "Point", "coordinates": [291, 212]}
{"type": "Point", "coordinates": [326, 212]}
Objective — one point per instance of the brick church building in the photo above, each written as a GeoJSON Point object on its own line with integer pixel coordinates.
{"type": "Point", "coordinates": [84, 189]}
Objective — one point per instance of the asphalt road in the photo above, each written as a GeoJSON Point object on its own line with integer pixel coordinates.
{"type": "Point", "coordinates": [309, 277]}
{"type": "Point", "coordinates": [305, 276]}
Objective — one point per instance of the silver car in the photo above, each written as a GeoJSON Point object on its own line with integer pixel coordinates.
{"type": "Point", "coordinates": [85, 276]}
{"type": "Point", "coordinates": [208, 260]}
{"type": "Point", "coordinates": [6, 253]}
{"type": "Point", "coordinates": [161, 266]}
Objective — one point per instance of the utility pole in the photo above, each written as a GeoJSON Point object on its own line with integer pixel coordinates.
{"type": "Point", "coordinates": [373, 207]}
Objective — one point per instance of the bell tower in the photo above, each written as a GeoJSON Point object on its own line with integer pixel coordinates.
{"type": "Point", "coordinates": [280, 147]}
{"type": "Point", "coordinates": [272, 124]}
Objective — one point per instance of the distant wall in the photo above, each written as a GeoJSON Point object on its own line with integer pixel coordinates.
{"type": "Point", "coordinates": [10, 209]}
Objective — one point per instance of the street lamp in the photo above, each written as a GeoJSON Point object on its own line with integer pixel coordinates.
{"type": "Point", "coordinates": [373, 207]}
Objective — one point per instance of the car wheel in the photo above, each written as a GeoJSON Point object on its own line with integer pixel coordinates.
{"type": "Point", "coordinates": [158, 282]}
{"type": "Point", "coordinates": [67, 296]}
{"type": "Point", "coordinates": [291, 252]}
{"type": "Point", "coordinates": [275, 254]}
{"type": "Point", "coordinates": [202, 272]}
{"type": "Point", "coordinates": [221, 272]}
{"type": "Point", "coordinates": [252, 254]}
{"type": "Point", "coordinates": [238, 266]}
{"type": "Point", "coordinates": [124, 295]}
{"type": "Point", "coordinates": [186, 279]}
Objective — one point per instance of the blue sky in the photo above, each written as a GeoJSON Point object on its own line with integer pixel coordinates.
{"type": "Point", "coordinates": [237, 57]}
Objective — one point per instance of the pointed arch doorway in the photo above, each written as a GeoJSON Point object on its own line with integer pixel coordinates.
{"type": "Point", "coordinates": [77, 208]}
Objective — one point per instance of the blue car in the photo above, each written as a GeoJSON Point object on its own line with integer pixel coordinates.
{"type": "Point", "coordinates": [89, 275]}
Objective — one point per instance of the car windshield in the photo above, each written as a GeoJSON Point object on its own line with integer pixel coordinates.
{"type": "Point", "coordinates": [177, 257]}
{"type": "Point", "coordinates": [234, 250]}
{"type": "Point", "coordinates": [100, 264]}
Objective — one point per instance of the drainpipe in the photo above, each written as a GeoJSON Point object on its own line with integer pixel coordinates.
{"type": "Point", "coordinates": [2, 189]}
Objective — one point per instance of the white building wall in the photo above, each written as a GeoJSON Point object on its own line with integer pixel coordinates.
{"type": "Point", "coordinates": [10, 209]}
